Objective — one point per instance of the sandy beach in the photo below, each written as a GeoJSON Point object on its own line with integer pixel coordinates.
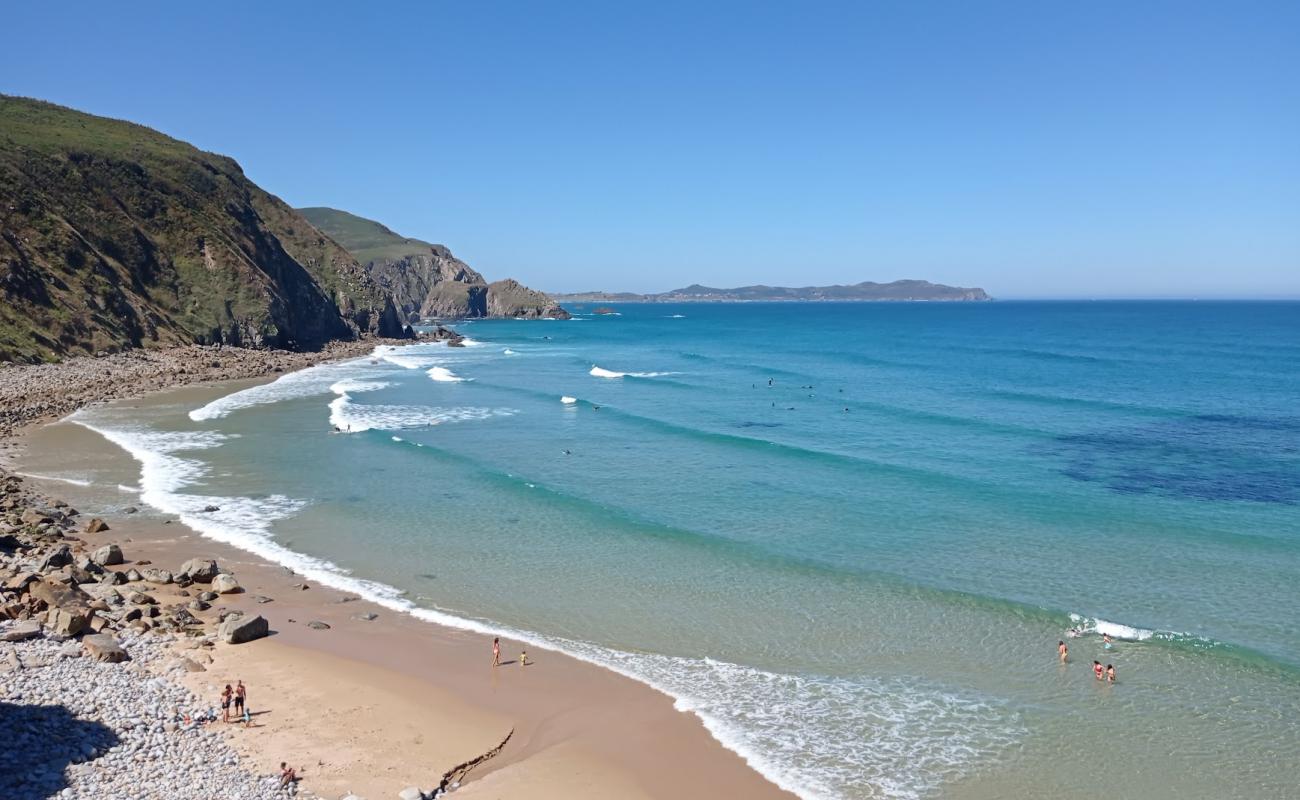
{"type": "Point", "coordinates": [373, 704]}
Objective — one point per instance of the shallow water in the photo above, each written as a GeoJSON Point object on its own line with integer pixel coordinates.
{"type": "Point", "coordinates": [848, 536]}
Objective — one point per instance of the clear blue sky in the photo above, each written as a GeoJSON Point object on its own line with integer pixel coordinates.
{"type": "Point", "coordinates": [1037, 149]}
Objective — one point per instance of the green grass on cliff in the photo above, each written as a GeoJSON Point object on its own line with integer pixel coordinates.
{"type": "Point", "coordinates": [365, 239]}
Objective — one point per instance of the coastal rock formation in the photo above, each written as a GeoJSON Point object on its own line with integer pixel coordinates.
{"type": "Point", "coordinates": [115, 236]}
{"type": "Point", "coordinates": [240, 629]}
{"type": "Point", "coordinates": [424, 280]}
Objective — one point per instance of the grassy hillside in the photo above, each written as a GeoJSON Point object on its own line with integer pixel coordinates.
{"type": "Point", "coordinates": [365, 239]}
{"type": "Point", "coordinates": [113, 235]}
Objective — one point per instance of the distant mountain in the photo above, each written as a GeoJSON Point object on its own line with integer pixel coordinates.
{"type": "Point", "coordinates": [908, 290]}
{"type": "Point", "coordinates": [114, 236]}
{"type": "Point", "coordinates": [425, 280]}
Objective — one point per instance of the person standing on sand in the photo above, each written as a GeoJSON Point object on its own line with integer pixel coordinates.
{"type": "Point", "coordinates": [225, 703]}
{"type": "Point", "coordinates": [241, 694]}
{"type": "Point", "coordinates": [523, 658]}
{"type": "Point", "coordinates": [1062, 650]}
{"type": "Point", "coordinates": [496, 651]}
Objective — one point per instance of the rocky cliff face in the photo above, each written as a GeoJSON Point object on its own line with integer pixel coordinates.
{"type": "Point", "coordinates": [510, 298]}
{"type": "Point", "coordinates": [425, 280]}
{"type": "Point", "coordinates": [114, 236]}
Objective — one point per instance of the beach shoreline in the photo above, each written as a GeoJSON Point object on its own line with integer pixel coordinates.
{"type": "Point", "coordinates": [369, 706]}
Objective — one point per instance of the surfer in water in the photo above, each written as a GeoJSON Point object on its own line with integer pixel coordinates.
{"type": "Point", "coordinates": [1062, 650]}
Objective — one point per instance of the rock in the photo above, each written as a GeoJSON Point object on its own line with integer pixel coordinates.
{"type": "Point", "coordinates": [133, 575]}
{"type": "Point", "coordinates": [58, 595]}
{"type": "Point", "coordinates": [107, 555]}
{"type": "Point", "coordinates": [237, 630]}
{"type": "Point", "coordinates": [198, 605]}
{"type": "Point", "coordinates": [140, 599]}
{"type": "Point", "coordinates": [96, 525]}
{"type": "Point", "coordinates": [113, 578]}
{"type": "Point", "coordinates": [210, 509]}
{"type": "Point", "coordinates": [98, 624]}
{"type": "Point", "coordinates": [130, 510]}
{"type": "Point", "coordinates": [19, 583]}
{"type": "Point", "coordinates": [207, 597]}
{"type": "Point", "coordinates": [410, 793]}
{"type": "Point", "coordinates": [59, 558]}
{"type": "Point", "coordinates": [200, 570]}
{"type": "Point", "coordinates": [257, 598]}
{"type": "Point", "coordinates": [191, 665]}
{"type": "Point", "coordinates": [34, 517]}
{"type": "Point", "coordinates": [318, 625]}
{"type": "Point", "coordinates": [22, 631]}
{"type": "Point", "coordinates": [157, 575]}
{"type": "Point", "coordinates": [103, 647]}
{"type": "Point", "coordinates": [70, 650]}
{"type": "Point", "coordinates": [68, 621]}
{"type": "Point", "coordinates": [225, 583]}
{"type": "Point", "coordinates": [366, 617]}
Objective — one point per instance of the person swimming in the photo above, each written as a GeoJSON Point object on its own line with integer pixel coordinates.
{"type": "Point", "coordinates": [1105, 641]}
{"type": "Point", "coordinates": [1097, 670]}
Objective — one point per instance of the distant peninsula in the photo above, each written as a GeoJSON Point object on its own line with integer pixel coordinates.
{"type": "Point", "coordinates": [867, 291]}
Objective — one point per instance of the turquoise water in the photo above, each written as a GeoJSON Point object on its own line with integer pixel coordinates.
{"type": "Point", "coordinates": [848, 536]}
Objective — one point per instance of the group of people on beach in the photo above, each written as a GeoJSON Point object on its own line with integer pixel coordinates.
{"type": "Point", "coordinates": [1101, 673]}
{"type": "Point", "coordinates": [496, 653]}
{"type": "Point", "coordinates": [239, 696]}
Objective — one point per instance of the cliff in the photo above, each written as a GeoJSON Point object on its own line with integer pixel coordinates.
{"type": "Point", "coordinates": [113, 236]}
{"type": "Point", "coordinates": [424, 279]}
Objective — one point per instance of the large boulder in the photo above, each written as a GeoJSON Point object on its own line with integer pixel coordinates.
{"type": "Point", "coordinates": [58, 595]}
{"type": "Point", "coordinates": [60, 557]}
{"type": "Point", "coordinates": [237, 630]}
{"type": "Point", "coordinates": [225, 583]}
{"type": "Point", "coordinates": [68, 621]}
{"type": "Point", "coordinates": [107, 555]}
{"type": "Point", "coordinates": [34, 516]}
{"type": "Point", "coordinates": [200, 570]}
{"type": "Point", "coordinates": [103, 647]}
{"type": "Point", "coordinates": [95, 525]}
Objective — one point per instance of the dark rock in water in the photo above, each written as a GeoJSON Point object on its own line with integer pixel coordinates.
{"type": "Point", "coordinates": [130, 510]}
{"type": "Point", "coordinates": [237, 630]}
{"type": "Point", "coordinates": [318, 625]}
{"type": "Point", "coordinates": [103, 647]}
{"type": "Point", "coordinates": [210, 509]}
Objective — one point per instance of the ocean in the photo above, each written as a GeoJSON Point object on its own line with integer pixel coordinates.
{"type": "Point", "coordinates": [847, 536]}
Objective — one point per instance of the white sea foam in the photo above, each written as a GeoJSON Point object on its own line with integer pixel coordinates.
{"type": "Point", "coordinates": [128, 489]}
{"type": "Point", "coordinates": [676, 316]}
{"type": "Point", "coordinates": [443, 375]}
{"type": "Point", "coordinates": [508, 352]}
{"type": "Point", "coordinates": [57, 478]}
{"type": "Point", "coordinates": [349, 417]}
{"type": "Point", "coordinates": [568, 401]}
{"type": "Point", "coordinates": [601, 372]}
{"type": "Point", "coordinates": [1114, 629]}
{"type": "Point", "coordinates": [303, 383]}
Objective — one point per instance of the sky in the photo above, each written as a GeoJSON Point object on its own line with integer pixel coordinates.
{"type": "Point", "coordinates": [1036, 149]}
